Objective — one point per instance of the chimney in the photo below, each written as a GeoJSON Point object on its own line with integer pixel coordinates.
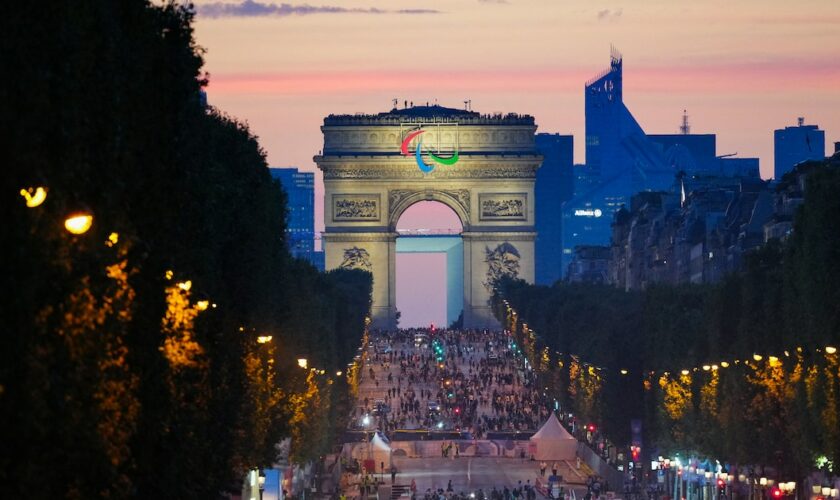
{"type": "Point", "coordinates": [800, 121]}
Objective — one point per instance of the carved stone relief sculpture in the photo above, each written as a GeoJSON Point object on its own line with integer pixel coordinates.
{"type": "Point", "coordinates": [356, 258]}
{"type": "Point", "coordinates": [503, 207]}
{"type": "Point", "coordinates": [501, 261]}
{"type": "Point", "coordinates": [355, 208]}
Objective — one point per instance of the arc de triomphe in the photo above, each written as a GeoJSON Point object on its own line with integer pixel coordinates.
{"type": "Point", "coordinates": [481, 166]}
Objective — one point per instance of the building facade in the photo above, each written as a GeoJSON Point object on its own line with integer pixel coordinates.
{"type": "Point", "coordinates": [697, 232]}
{"type": "Point", "coordinates": [555, 186]}
{"type": "Point", "coordinates": [590, 264]}
{"type": "Point", "coordinates": [300, 220]}
{"type": "Point", "coordinates": [792, 145]}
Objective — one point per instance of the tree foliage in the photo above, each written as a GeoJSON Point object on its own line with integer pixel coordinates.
{"type": "Point", "coordinates": [130, 364]}
{"type": "Point", "coordinates": [775, 399]}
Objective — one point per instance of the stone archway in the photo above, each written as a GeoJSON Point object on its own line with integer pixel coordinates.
{"type": "Point", "coordinates": [487, 179]}
{"type": "Point", "coordinates": [456, 199]}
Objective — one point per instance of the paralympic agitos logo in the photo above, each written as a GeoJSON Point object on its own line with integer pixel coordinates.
{"type": "Point", "coordinates": [418, 153]}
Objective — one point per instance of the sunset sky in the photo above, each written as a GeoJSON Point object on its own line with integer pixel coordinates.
{"type": "Point", "coordinates": [741, 68]}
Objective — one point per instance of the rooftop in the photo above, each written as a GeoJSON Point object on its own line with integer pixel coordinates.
{"type": "Point", "coordinates": [429, 114]}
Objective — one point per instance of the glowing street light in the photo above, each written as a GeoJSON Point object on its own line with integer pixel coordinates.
{"type": "Point", "coordinates": [758, 357]}
{"type": "Point", "coordinates": [202, 305]}
{"type": "Point", "coordinates": [830, 350]}
{"type": "Point", "coordinates": [185, 286]}
{"type": "Point", "coordinates": [303, 363]}
{"type": "Point", "coordinates": [34, 196]}
{"type": "Point", "coordinates": [264, 339]}
{"type": "Point", "coordinates": [78, 223]}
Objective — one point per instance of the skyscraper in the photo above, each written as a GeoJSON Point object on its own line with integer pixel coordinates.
{"type": "Point", "coordinates": [617, 149]}
{"type": "Point", "coordinates": [300, 223]}
{"type": "Point", "coordinates": [796, 144]}
{"type": "Point", "coordinates": [620, 161]}
{"type": "Point", "coordinates": [555, 185]}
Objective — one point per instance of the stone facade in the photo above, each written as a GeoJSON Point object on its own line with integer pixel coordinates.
{"type": "Point", "coordinates": [369, 183]}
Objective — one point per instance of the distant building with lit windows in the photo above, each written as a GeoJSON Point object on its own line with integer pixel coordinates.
{"type": "Point", "coordinates": [300, 222]}
{"type": "Point", "coordinates": [554, 186]}
{"type": "Point", "coordinates": [622, 160]}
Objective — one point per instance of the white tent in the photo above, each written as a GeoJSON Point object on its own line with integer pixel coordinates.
{"type": "Point", "coordinates": [553, 442]}
{"type": "Point", "coordinates": [380, 451]}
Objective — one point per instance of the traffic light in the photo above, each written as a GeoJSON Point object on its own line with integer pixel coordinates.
{"type": "Point", "coordinates": [590, 427]}
{"type": "Point", "coordinates": [775, 493]}
{"type": "Point", "coordinates": [635, 453]}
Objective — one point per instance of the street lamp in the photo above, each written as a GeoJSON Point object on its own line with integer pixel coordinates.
{"type": "Point", "coordinates": [34, 196]}
{"type": "Point", "coordinates": [303, 363]}
{"type": "Point", "coordinates": [78, 222]}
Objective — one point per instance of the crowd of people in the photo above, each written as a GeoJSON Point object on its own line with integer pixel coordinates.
{"type": "Point", "coordinates": [439, 380]}
{"type": "Point", "coordinates": [519, 492]}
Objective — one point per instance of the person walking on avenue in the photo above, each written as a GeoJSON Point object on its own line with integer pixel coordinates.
{"type": "Point", "coordinates": [393, 474]}
{"type": "Point", "coordinates": [543, 466]}
{"type": "Point", "coordinates": [555, 468]}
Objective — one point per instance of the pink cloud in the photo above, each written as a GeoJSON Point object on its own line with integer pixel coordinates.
{"type": "Point", "coordinates": [737, 76]}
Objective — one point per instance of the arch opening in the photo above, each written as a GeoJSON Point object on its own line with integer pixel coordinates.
{"type": "Point", "coordinates": [457, 202]}
{"type": "Point", "coordinates": [429, 259]}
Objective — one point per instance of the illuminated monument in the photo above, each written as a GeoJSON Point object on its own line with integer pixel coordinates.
{"type": "Point", "coordinates": [481, 166]}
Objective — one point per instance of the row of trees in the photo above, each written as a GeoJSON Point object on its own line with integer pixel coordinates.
{"type": "Point", "coordinates": [136, 358]}
{"type": "Point", "coordinates": [736, 370]}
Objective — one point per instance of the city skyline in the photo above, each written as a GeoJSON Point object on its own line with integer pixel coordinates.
{"type": "Point", "coordinates": [740, 75]}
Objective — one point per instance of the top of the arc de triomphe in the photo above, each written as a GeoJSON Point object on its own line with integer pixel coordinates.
{"type": "Point", "coordinates": [433, 113]}
{"type": "Point", "coordinates": [447, 131]}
